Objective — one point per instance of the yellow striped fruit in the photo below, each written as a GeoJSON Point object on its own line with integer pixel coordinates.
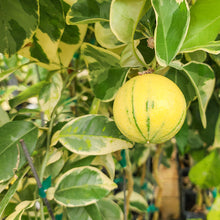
{"type": "Point", "coordinates": [149, 108]}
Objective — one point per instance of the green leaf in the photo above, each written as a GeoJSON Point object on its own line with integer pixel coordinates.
{"type": "Point", "coordinates": [214, 213]}
{"type": "Point", "coordinates": [106, 74]}
{"type": "Point", "coordinates": [172, 23]}
{"type": "Point", "coordinates": [50, 95]}
{"type": "Point", "coordinates": [199, 56]}
{"type": "Point", "coordinates": [31, 91]}
{"type": "Point", "coordinates": [105, 37]}
{"type": "Point", "coordinates": [92, 135]}
{"type": "Point", "coordinates": [213, 47]}
{"type": "Point", "coordinates": [43, 47]}
{"type": "Point", "coordinates": [109, 210]}
{"type": "Point", "coordinates": [82, 186]}
{"type": "Point", "coordinates": [182, 138]}
{"type": "Point", "coordinates": [183, 82]}
{"type": "Point", "coordinates": [11, 154]}
{"type": "Point", "coordinates": [5, 74]}
{"type": "Point", "coordinates": [204, 25]}
{"type": "Point", "coordinates": [88, 11]}
{"type": "Point", "coordinates": [104, 208]}
{"type": "Point", "coordinates": [94, 211]}
{"type": "Point", "coordinates": [77, 213]}
{"type": "Point", "coordinates": [137, 202]}
{"type": "Point", "coordinates": [20, 209]}
{"type": "Point", "coordinates": [10, 193]}
{"type": "Point", "coordinates": [3, 117]}
{"type": "Point", "coordinates": [203, 80]}
{"type": "Point", "coordinates": [124, 18]}
{"type": "Point", "coordinates": [206, 172]}
{"type": "Point", "coordinates": [217, 134]}
{"type": "Point", "coordinates": [18, 21]}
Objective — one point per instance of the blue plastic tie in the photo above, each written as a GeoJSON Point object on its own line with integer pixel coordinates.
{"type": "Point", "coordinates": [59, 217]}
{"type": "Point", "coordinates": [214, 193]}
{"type": "Point", "coordinates": [152, 208]}
{"type": "Point", "coordinates": [123, 160]}
{"type": "Point", "coordinates": [118, 180]}
{"type": "Point", "coordinates": [144, 186]}
{"type": "Point", "coordinates": [45, 185]}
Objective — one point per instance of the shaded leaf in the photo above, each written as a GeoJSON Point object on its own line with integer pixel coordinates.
{"type": "Point", "coordinates": [204, 25]}
{"type": "Point", "coordinates": [92, 135]}
{"type": "Point", "coordinates": [137, 201]}
{"type": "Point", "coordinates": [206, 172]}
{"type": "Point", "coordinates": [183, 82]}
{"type": "Point", "coordinates": [88, 11]}
{"type": "Point", "coordinates": [20, 209]}
{"type": "Point", "coordinates": [106, 74]}
{"type": "Point", "coordinates": [11, 154]}
{"type": "Point", "coordinates": [18, 21]}
{"type": "Point", "coordinates": [31, 91]}
{"type": "Point", "coordinates": [82, 186]}
{"type": "Point", "coordinates": [107, 162]}
{"type": "Point", "coordinates": [203, 80]}
{"type": "Point", "coordinates": [172, 23]}
{"type": "Point", "coordinates": [10, 193]}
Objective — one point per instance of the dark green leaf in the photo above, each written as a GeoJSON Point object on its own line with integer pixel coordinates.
{"type": "Point", "coordinates": [88, 11]}
{"type": "Point", "coordinates": [18, 21]}
{"type": "Point", "coordinates": [11, 154]}
{"type": "Point", "coordinates": [106, 75]}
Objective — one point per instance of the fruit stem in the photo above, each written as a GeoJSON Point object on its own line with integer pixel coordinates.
{"type": "Point", "coordinates": [158, 198]}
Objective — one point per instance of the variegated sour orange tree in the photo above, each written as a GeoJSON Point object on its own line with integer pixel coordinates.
{"type": "Point", "coordinates": [67, 150]}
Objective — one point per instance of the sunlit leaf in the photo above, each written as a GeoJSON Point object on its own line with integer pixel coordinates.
{"type": "Point", "coordinates": [50, 95]}
{"type": "Point", "coordinates": [172, 23]}
{"type": "Point", "coordinates": [205, 173]}
{"type": "Point", "coordinates": [204, 25]}
{"type": "Point", "coordinates": [217, 134]}
{"type": "Point", "coordinates": [3, 117]}
{"type": "Point", "coordinates": [214, 213]}
{"type": "Point", "coordinates": [106, 74]}
{"type": "Point", "coordinates": [92, 135]}
{"type": "Point", "coordinates": [105, 37]}
{"type": "Point", "coordinates": [82, 186]}
{"type": "Point", "coordinates": [11, 154]}
{"type": "Point", "coordinates": [124, 18]}
{"type": "Point", "coordinates": [18, 21]}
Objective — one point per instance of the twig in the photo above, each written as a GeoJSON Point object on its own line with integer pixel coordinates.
{"type": "Point", "coordinates": [28, 157]}
{"type": "Point", "coordinates": [125, 197]}
{"type": "Point", "coordinates": [157, 178]}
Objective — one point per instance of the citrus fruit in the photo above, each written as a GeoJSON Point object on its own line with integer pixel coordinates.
{"type": "Point", "coordinates": [149, 108]}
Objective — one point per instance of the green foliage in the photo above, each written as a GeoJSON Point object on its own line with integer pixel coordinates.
{"type": "Point", "coordinates": [61, 64]}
